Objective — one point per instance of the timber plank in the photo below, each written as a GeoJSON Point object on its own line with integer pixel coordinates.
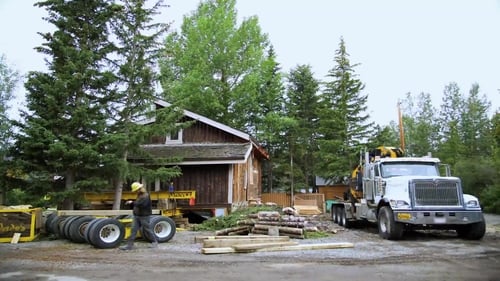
{"type": "Point", "coordinates": [321, 246]}
{"type": "Point", "coordinates": [222, 250]}
{"type": "Point", "coordinates": [217, 243]}
{"type": "Point", "coordinates": [247, 248]}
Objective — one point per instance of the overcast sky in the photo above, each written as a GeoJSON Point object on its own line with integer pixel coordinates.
{"type": "Point", "coordinates": [402, 46]}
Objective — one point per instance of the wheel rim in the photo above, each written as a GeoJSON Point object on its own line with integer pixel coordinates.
{"type": "Point", "coordinates": [109, 233]}
{"type": "Point", "coordinates": [383, 224]}
{"type": "Point", "coordinates": [162, 229]}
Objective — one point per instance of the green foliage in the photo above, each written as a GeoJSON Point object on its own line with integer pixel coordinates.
{"type": "Point", "coordinates": [420, 125]}
{"type": "Point", "coordinates": [220, 70]}
{"type": "Point", "coordinates": [231, 220]}
{"type": "Point", "coordinates": [490, 199]}
{"type": "Point", "coordinates": [476, 173]}
{"type": "Point", "coordinates": [302, 106]}
{"type": "Point", "coordinates": [8, 81]}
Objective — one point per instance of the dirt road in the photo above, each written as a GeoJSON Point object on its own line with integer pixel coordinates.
{"type": "Point", "coordinates": [426, 255]}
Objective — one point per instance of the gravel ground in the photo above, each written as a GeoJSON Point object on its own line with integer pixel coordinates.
{"type": "Point", "coordinates": [421, 255]}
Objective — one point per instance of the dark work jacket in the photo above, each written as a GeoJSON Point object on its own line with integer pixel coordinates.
{"type": "Point", "coordinates": [142, 205]}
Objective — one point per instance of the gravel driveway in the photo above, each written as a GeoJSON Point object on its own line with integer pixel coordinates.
{"type": "Point", "coordinates": [422, 255]}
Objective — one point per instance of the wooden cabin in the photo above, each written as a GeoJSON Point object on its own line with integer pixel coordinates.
{"type": "Point", "coordinates": [222, 164]}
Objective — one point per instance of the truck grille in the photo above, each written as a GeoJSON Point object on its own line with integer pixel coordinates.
{"type": "Point", "coordinates": [436, 193]}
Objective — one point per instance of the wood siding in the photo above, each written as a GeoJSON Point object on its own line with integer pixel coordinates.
{"type": "Point", "coordinates": [203, 133]}
{"type": "Point", "coordinates": [199, 133]}
{"type": "Point", "coordinates": [333, 192]}
{"type": "Point", "coordinates": [210, 183]}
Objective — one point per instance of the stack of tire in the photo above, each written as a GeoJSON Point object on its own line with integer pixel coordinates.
{"type": "Point", "coordinates": [103, 233]}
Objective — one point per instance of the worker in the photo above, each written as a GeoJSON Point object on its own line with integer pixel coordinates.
{"type": "Point", "coordinates": [142, 213]}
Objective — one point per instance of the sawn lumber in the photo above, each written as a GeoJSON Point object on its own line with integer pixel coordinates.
{"type": "Point", "coordinates": [217, 243]}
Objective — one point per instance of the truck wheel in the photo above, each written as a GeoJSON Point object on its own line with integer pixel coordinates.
{"type": "Point", "coordinates": [340, 216]}
{"type": "Point", "coordinates": [76, 230]}
{"type": "Point", "coordinates": [335, 214]}
{"type": "Point", "coordinates": [63, 231]}
{"type": "Point", "coordinates": [48, 221]}
{"type": "Point", "coordinates": [106, 233]}
{"type": "Point", "coordinates": [163, 228]}
{"type": "Point", "coordinates": [388, 228]}
{"type": "Point", "coordinates": [88, 229]}
{"type": "Point", "coordinates": [473, 231]}
{"type": "Point", "coordinates": [345, 222]}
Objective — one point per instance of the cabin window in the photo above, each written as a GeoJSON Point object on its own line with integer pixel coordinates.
{"type": "Point", "coordinates": [174, 137]}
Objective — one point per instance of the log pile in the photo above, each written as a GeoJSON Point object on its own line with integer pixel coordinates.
{"type": "Point", "coordinates": [268, 223]}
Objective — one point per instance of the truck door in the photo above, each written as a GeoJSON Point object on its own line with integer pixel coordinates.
{"type": "Point", "coordinates": [368, 183]}
{"type": "Point", "coordinates": [376, 180]}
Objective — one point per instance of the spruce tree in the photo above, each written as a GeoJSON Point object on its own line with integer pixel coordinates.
{"type": "Point", "coordinates": [60, 138]}
{"type": "Point", "coordinates": [302, 106]}
{"type": "Point", "coordinates": [344, 125]}
{"type": "Point", "coordinates": [139, 45]}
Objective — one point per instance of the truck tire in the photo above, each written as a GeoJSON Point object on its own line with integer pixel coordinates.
{"type": "Point", "coordinates": [76, 230]}
{"type": "Point", "coordinates": [55, 225]}
{"type": "Point", "coordinates": [88, 229]}
{"type": "Point", "coordinates": [63, 231]}
{"type": "Point", "coordinates": [340, 214]}
{"type": "Point", "coordinates": [335, 214]}
{"type": "Point", "coordinates": [48, 221]}
{"type": "Point", "coordinates": [345, 222]}
{"type": "Point", "coordinates": [106, 233]}
{"type": "Point", "coordinates": [474, 231]}
{"type": "Point", "coordinates": [388, 228]}
{"type": "Point", "coordinates": [163, 228]}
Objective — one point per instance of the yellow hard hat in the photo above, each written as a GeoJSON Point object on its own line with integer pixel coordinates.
{"type": "Point", "coordinates": [135, 186]}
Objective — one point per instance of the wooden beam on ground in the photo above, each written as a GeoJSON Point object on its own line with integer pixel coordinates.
{"type": "Point", "coordinates": [217, 243]}
{"type": "Point", "coordinates": [248, 248]}
{"type": "Point", "coordinates": [222, 250]}
{"type": "Point", "coordinates": [199, 239]}
{"type": "Point", "coordinates": [302, 247]}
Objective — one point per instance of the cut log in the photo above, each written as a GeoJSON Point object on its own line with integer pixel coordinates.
{"type": "Point", "coordinates": [239, 232]}
{"type": "Point", "coordinates": [268, 215]}
{"type": "Point", "coordinates": [231, 229]}
{"type": "Point", "coordinates": [281, 223]}
{"type": "Point", "coordinates": [282, 229]}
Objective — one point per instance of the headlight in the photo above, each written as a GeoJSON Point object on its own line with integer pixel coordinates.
{"type": "Point", "coordinates": [398, 204]}
{"type": "Point", "coordinates": [472, 204]}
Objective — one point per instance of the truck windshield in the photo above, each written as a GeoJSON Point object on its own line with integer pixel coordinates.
{"type": "Point", "coordinates": [394, 169]}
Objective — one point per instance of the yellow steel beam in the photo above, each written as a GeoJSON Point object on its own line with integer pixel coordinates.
{"type": "Point", "coordinates": [128, 195]}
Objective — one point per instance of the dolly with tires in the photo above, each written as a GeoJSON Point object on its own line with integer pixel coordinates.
{"type": "Point", "coordinates": [106, 229]}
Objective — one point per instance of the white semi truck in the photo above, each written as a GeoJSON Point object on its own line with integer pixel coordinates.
{"type": "Point", "coordinates": [403, 193]}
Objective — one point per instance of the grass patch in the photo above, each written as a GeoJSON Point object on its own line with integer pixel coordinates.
{"type": "Point", "coordinates": [231, 220]}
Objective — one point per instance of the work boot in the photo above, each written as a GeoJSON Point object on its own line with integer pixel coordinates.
{"type": "Point", "coordinates": [127, 247]}
{"type": "Point", "coordinates": [154, 245]}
